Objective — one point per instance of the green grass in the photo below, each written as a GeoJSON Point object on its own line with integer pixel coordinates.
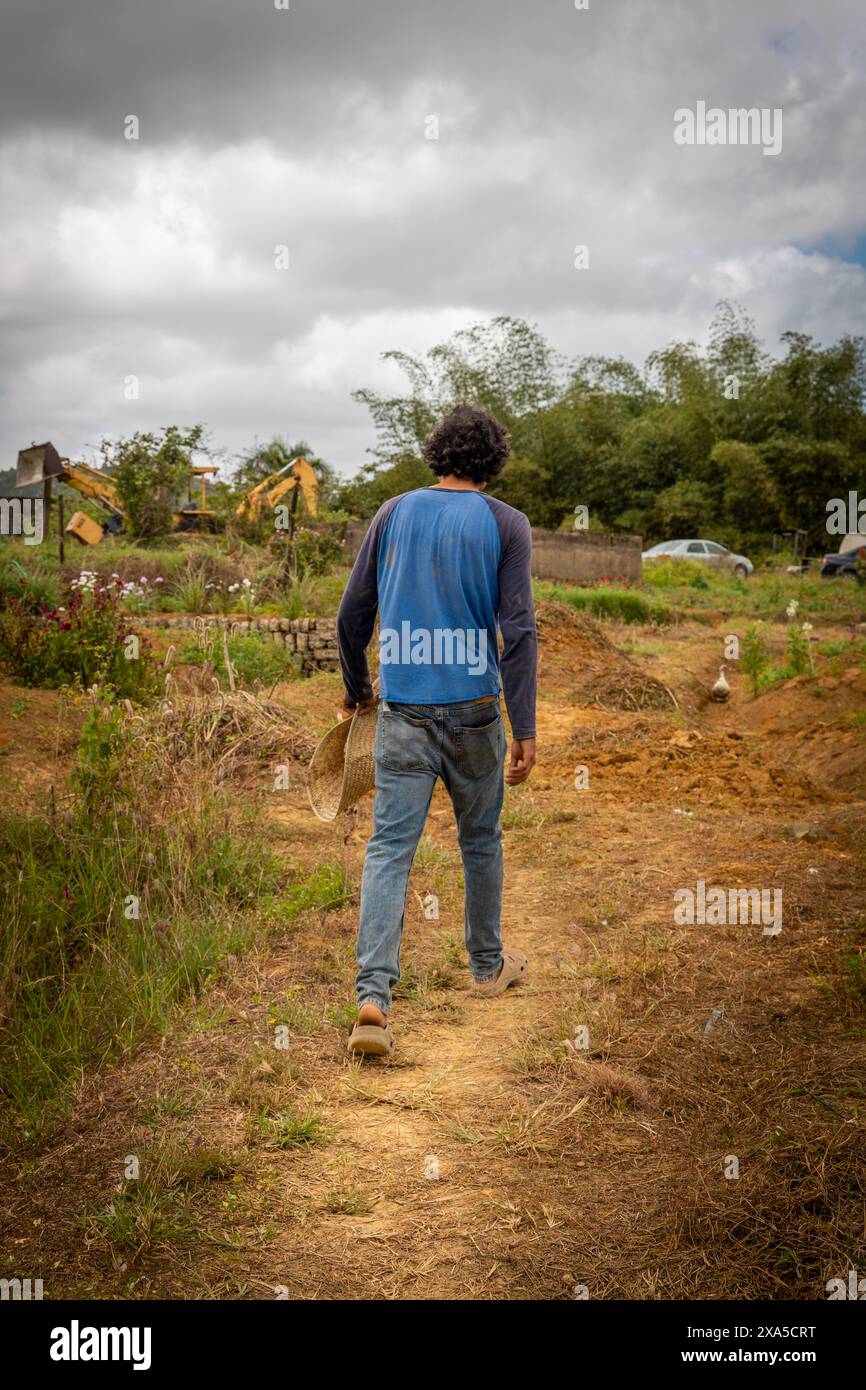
{"type": "Point", "coordinates": [290, 1129]}
{"type": "Point", "coordinates": [352, 1202]}
{"type": "Point", "coordinates": [80, 982]}
{"type": "Point", "coordinates": [422, 987]}
{"type": "Point", "coordinates": [765, 594]}
{"type": "Point", "coordinates": [342, 1016]}
{"type": "Point", "coordinates": [294, 1014]}
{"type": "Point", "coordinates": [316, 596]}
{"type": "Point", "coordinates": [855, 976]}
{"type": "Point", "coordinates": [115, 914]}
{"type": "Point", "coordinates": [669, 587]}
{"type": "Point", "coordinates": [537, 1053]}
{"type": "Point", "coordinates": [606, 602]}
{"type": "Point", "coordinates": [29, 578]}
{"type": "Point", "coordinates": [158, 1207]}
{"type": "Point", "coordinates": [168, 1105]}
{"type": "Point", "coordinates": [253, 659]}
{"type": "Point", "coordinates": [195, 573]}
{"type": "Point", "coordinates": [323, 888]}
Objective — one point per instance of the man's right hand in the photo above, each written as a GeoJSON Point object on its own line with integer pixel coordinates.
{"type": "Point", "coordinates": [349, 707]}
{"type": "Point", "coordinates": [522, 761]}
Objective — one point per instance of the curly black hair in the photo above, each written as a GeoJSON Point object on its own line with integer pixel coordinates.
{"type": "Point", "coordinates": [469, 443]}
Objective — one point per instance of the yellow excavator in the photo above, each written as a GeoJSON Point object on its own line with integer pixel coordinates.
{"type": "Point", "coordinates": [297, 477]}
{"type": "Point", "coordinates": [41, 463]}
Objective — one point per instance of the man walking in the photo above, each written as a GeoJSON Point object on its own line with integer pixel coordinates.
{"type": "Point", "coordinates": [447, 568]}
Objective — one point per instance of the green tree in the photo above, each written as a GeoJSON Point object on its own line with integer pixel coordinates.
{"type": "Point", "coordinates": [151, 471]}
{"type": "Point", "coordinates": [261, 460]}
{"type": "Point", "coordinates": [724, 440]}
{"type": "Point", "coordinates": [686, 508]}
{"type": "Point", "coordinates": [749, 492]}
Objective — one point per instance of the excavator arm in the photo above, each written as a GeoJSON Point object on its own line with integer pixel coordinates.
{"type": "Point", "coordinates": [41, 463]}
{"type": "Point", "coordinates": [93, 485]}
{"type": "Point", "coordinates": [269, 493]}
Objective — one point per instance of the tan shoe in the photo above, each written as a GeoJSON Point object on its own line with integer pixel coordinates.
{"type": "Point", "coordinates": [369, 1041]}
{"type": "Point", "coordinates": [513, 972]}
{"type": "Point", "coordinates": [371, 1035]}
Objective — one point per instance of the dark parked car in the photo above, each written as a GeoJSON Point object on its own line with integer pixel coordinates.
{"type": "Point", "coordinates": [849, 562]}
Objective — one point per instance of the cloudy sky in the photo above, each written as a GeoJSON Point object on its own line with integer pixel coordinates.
{"type": "Point", "coordinates": [308, 127]}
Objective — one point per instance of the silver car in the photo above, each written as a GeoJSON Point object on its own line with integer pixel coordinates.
{"type": "Point", "coordinates": [708, 552]}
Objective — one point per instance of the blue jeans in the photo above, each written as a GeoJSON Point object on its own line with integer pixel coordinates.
{"type": "Point", "coordinates": [464, 744]}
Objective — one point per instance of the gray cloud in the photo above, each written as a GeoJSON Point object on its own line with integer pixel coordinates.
{"type": "Point", "coordinates": [307, 127]}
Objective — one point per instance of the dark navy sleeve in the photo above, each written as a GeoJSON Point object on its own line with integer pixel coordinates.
{"type": "Point", "coordinates": [356, 616]}
{"type": "Point", "coordinates": [519, 661]}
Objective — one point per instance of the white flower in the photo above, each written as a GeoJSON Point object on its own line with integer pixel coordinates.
{"type": "Point", "coordinates": [807, 627]}
{"type": "Point", "coordinates": [791, 610]}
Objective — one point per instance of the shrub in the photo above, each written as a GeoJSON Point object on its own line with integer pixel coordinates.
{"type": "Point", "coordinates": [308, 553]}
{"type": "Point", "coordinates": [672, 573]}
{"type": "Point", "coordinates": [312, 597]}
{"type": "Point", "coordinates": [191, 590]}
{"type": "Point", "coordinates": [799, 649]}
{"type": "Point", "coordinates": [150, 471]}
{"type": "Point", "coordinates": [29, 587]}
{"type": "Point", "coordinates": [89, 642]}
{"type": "Point", "coordinates": [755, 656]}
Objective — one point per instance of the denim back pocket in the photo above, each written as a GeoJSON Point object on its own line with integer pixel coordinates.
{"type": "Point", "coordinates": [479, 748]}
{"type": "Point", "coordinates": [403, 742]}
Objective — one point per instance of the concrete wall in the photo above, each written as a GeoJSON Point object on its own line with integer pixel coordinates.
{"type": "Point", "coordinates": [576, 557]}
{"type": "Point", "coordinates": [583, 557]}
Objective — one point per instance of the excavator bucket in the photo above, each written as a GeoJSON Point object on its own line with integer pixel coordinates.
{"type": "Point", "coordinates": [85, 529]}
{"type": "Point", "coordinates": [37, 464]}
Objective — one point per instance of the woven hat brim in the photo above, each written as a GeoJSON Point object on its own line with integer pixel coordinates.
{"type": "Point", "coordinates": [342, 769]}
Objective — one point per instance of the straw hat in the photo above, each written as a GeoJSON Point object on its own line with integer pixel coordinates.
{"type": "Point", "coordinates": [342, 769]}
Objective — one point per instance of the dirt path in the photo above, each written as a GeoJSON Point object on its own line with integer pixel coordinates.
{"type": "Point", "coordinates": [490, 1160]}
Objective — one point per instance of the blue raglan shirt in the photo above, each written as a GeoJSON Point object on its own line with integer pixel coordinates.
{"type": "Point", "coordinates": [446, 569]}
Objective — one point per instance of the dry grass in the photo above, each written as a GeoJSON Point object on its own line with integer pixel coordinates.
{"type": "Point", "coordinates": [609, 1083]}
{"type": "Point", "coordinates": [630, 689]}
{"type": "Point", "coordinates": [227, 731]}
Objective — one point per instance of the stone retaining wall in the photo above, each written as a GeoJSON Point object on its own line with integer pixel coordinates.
{"type": "Point", "coordinates": [314, 640]}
